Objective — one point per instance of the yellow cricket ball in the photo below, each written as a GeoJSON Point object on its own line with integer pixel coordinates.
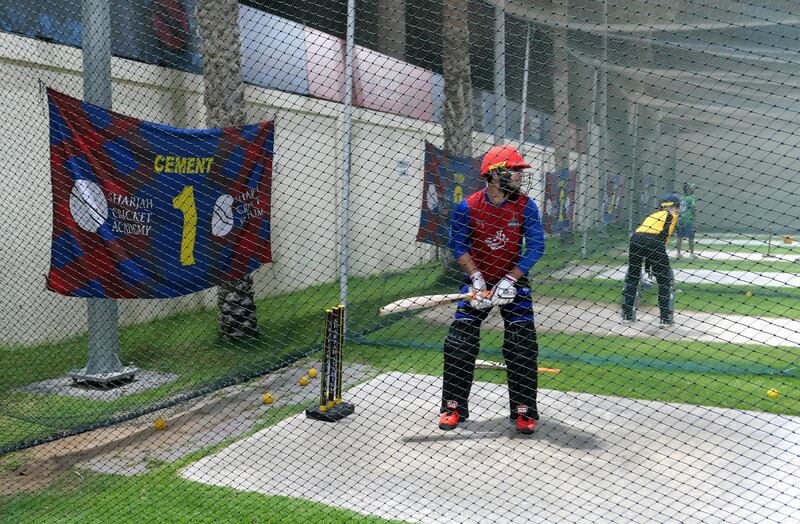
{"type": "Point", "coordinates": [748, 294]}
{"type": "Point", "coordinates": [312, 372]}
{"type": "Point", "coordinates": [773, 393]}
{"type": "Point", "coordinates": [303, 380]}
{"type": "Point", "coordinates": [267, 398]}
{"type": "Point", "coordinates": [160, 424]}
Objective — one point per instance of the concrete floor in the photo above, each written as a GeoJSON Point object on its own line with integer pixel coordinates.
{"type": "Point", "coordinates": [225, 414]}
{"type": "Point", "coordinates": [66, 387]}
{"type": "Point", "coordinates": [560, 315]}
{"type": "Point", "coordinates": [594, 459]}
{"type": "Point", "coordinates": [776, 241]}
{"type": "Point", "coordinates": [724, 256]}
{"type": "Point", "coordinates": [689, 276]}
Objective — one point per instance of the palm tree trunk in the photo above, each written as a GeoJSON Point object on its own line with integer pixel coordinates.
{"type": "Point", "coordinates": [457, 79]}
{"type": "Point", "coordinates": [224, 101]}
{"type": "Point", "coordinates": [391, 37]}
{"type": "Point", "coordinates": [457, 117]}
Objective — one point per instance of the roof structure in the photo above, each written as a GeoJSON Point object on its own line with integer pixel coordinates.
{"type": "Point", "coordinates": [694, 62]}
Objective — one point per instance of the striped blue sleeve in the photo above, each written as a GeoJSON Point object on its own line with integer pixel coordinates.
{"type": "Point", "coordinates": [460, 241]}
{"type": "Point", "coordinates": [534, 237]}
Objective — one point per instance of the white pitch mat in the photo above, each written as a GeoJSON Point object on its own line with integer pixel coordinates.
{"type": "Point", "coordinates": [594, 459]}
{"type": "Point", "coordinates": [750, 256]}
{"type": "Point", "coordinates": [775, 242]}
{"type": "Point", "coordinates": [689, 276]}
{"type": "Point", "coordinates": [558, 315]}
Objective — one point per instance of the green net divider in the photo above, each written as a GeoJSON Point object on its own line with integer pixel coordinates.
{"type": "Point", "coordinates": [637, 363]}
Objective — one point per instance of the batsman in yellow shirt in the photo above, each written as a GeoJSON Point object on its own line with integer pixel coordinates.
{"type": "Point", "coordinates": [649, 244]}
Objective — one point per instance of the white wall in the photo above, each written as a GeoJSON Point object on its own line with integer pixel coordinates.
{"type": "Point", "coordinates": [306, 190]}
{"type": "Point", "coordinates": [747, 177]}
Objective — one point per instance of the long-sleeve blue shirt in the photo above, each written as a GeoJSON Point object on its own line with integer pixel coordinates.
{"type": "Point", "coordinates": [493, 234]}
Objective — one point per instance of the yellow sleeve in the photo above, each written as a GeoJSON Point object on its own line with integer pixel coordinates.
{"type": "Point", "coordinates": [653, 224]}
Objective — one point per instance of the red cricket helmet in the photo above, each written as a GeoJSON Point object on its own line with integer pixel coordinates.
{"type": "Point", "coordinates": [502, 156]}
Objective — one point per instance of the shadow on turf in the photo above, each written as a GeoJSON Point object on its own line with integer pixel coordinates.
{"type": "Point", "coordinates": [558, 434]}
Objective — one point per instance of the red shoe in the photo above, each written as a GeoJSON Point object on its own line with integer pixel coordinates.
{"type": "Point", "coordinates": [449, 419]}
{"type": "Point", "coordinates": [526, 425]}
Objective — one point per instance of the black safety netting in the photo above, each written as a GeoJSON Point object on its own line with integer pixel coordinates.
{"type": "Point", "coordinates": [403, 260]}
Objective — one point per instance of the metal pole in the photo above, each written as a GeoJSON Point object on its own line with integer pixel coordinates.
{"type": "Point", "coordinates": [344, 210]}
{"type": "Point", "coordinates": [667, 184]}
{"type": "Point", "coordinates": [769, 242]}
{"type": "Point", "coordinates": [634, 170]}
{"type": "Point", "coordinates": [525, 68]}
{"type": "Point", "coordinates": [583, 243]}
{"type": "Point", "coordinates": [599, 206]}
{"type": "Point", "coordinates": [674, 159]}
{"type": "Point", "coordinates": [500, 70]}
{"type": "Point", "coordinates": [103, 366]}
{"type": "Point", "coordinates": [604, 117]}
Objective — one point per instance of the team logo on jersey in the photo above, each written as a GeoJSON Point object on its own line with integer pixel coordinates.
{"type": "Point", "coordinates": [498, 241]}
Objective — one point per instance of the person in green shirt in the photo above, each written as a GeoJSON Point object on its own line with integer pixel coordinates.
{"type": "Point", "coordinates": [687, 216]}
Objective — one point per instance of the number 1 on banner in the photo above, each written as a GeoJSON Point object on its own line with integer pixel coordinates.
{"type": "Point", "coordinates": [185, 202]}
{"type": "Point", "coordinates": [458, 194]}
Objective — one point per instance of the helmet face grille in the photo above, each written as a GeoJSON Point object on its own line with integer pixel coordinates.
{"type": "Point", "coordinates": [669, 200]}
{"type": "Point", "coordinates": [503, 175]}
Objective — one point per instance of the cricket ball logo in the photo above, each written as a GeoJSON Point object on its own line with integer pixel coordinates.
{"type": "Point", "coordinates": [498, 241]}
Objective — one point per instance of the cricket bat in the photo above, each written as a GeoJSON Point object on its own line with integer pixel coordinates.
{"type": "Point", "coordinates": [491, 364]}
{"type": "Point", "coordinates": [423, 302]}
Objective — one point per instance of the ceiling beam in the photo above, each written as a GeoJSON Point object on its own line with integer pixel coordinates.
{"type": "Point", "coordinates": [545, 17]}
{"type": "Point", "coordinates": [712, 114]}
{"type": "Point", "coordinates": [659, 78]}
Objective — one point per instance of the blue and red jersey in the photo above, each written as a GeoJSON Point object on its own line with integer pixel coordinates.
{"type": "Point", "coordinates": [493, 234]}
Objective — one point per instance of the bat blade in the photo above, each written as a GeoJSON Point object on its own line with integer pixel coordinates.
{"type": "Point", "coordinates": [491, 364]}
{"type": "Point", "coordinates": [549, 370]}
{"type": "Point", "coordinates": [422, 302]}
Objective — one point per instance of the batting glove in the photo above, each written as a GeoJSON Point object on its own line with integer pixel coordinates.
{"type": "Point", "coordinates": [478, 283]}
{"type": "Point", "coordinates": [505, 291]}
{"type": "Point", "coordinates": [481, 297]}
{"type": "Point", "coordinates": [481, 300]}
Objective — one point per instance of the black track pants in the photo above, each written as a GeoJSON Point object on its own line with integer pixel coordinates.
{"type": "Point", "coordinates": [461, 348]}
{"type": "Point", "coordinates": [520, 351]}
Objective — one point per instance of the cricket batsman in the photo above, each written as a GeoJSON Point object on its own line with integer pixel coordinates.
{"type": "Point", "coordinates": [496, 236]}
{"type": "Point", "coordinates": [649, 244]}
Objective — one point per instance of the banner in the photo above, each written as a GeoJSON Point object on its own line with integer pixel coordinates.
{"type": "Point", "coordinates": [143, 210]}
{"type": "Point", "coordinates": [447, 181]}
{"type": "Point", "coordinates": [559, 201]}
{"type": "Point", "coordinates": [612, 202]}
